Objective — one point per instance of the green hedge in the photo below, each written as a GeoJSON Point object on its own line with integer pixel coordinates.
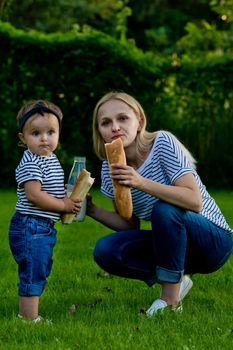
{"type": "Point", "coordinates": [191, 99]}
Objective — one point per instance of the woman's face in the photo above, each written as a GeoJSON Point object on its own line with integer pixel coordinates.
{"type": "Point", "coordinates": [117, 119]}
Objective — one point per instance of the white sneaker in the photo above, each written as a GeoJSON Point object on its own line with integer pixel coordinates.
{"type": "Point", "coordinates": [160, 304]}
{"type": "Point", "coordinates": [185, 286]}
{"type": "Point", "coordinates": [40, 319]}
{"type": "Point", "coordinates": [21, 318]}
{"type": "Point", "coordinates": [36, 320]}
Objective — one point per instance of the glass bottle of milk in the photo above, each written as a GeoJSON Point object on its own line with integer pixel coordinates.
{"type": "Point", "coordinates": [79, 163]}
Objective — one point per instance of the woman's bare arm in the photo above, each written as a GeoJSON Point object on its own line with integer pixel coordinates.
{"type": "Point", "coordinates": [110, 219]}
{"type": "Point", "coordinates": [184, 192]}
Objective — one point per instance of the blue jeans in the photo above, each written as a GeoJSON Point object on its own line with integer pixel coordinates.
{"type": "Point", "coordinates": [180, 242]}
{"type": "Point", "coordinates": [32, 239]}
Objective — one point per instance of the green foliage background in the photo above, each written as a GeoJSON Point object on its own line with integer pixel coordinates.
{"type": "Point", "coordinates": [190, 96]}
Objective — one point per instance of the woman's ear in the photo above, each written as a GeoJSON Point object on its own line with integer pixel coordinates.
{"type": "Point", "coordinates": [141, 122]}
{"type": "Point", "coordinates": [21, 137]}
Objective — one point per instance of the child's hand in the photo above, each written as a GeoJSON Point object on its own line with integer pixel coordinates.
{"type": "Point", "coordinates": [71, 205]}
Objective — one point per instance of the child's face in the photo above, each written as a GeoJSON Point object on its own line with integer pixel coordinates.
{"type": "Point", "coordinates": [41, 134]}
{"type": "Point", "coordinates": [117, 119]}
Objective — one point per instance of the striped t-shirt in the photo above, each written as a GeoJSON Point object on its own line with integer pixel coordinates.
{"type": "Point", "coordinates": [49, 172]}
{"type": "Point", "coordinates": [165, 163]}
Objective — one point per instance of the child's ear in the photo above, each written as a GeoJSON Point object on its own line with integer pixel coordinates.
{"type": "Point", "coordinates": [21, 137]}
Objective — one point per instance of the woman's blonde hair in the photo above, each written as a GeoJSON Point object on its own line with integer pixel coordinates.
{"type": "Point", "coordinates": [144, 138]}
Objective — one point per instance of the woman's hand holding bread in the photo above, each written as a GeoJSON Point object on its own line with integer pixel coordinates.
{"type": "Point", "coordinates": [122, 194]}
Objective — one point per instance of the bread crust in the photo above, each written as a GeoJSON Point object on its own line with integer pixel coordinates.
{"type": "Point", "coordinates": [80, 190]}
{"type": "Point", "coordinates": [122, 194]}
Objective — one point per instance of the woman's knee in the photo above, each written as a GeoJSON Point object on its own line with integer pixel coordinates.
{"type": "Point", "coordinates": [103, 250]}
{"type": "Point", "coordinates": [166, 212]}
{"type": "Point", "coordinates": [100, 249]}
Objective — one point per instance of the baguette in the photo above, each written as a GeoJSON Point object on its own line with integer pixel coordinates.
{"type": "Point", "coordinates": [80, 190]}
{"type": "Point", "coordinates": [122, 194]}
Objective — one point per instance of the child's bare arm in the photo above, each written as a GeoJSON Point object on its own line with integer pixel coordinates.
{"type": "Point", "coordinates": [46, 201]}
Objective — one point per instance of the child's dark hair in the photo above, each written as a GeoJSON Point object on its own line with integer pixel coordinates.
{"type": "Point", "coordinates": [35, 107]}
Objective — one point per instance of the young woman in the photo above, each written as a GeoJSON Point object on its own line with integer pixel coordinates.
{"type": "Point", "coordinates": [189, 233]}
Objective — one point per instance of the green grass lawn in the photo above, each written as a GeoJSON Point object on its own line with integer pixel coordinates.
{"type": "Point", "coordinates": [92, 310]}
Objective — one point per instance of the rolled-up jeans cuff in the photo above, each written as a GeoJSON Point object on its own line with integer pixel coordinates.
{"type": "Point", "coordinates": [31, 289]}
{"type": "Point", "coordinates": [165, 275]}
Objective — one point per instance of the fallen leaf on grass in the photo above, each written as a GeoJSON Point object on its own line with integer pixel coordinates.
{"type": "Point", "coordinates": [73, 309]}
{"type": "Point", "coordinates": [142, 311]}
{"type": "Point", "coordinates": [104, 274]}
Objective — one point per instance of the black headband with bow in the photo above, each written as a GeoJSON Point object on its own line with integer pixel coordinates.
{"type": "Point", "coordinates": [41, 109]}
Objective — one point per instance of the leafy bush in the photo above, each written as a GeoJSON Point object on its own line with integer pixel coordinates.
{"type": "Point", "coordinates": [190, 98]}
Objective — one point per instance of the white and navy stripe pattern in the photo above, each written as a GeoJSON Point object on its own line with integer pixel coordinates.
{"type": "Point", "coordinates": [49, 172]}
{"type": "Point", "coordinates": [166, 162]}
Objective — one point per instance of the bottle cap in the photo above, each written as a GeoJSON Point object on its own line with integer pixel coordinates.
{"type": "Point", "coordinates": [80, 159]}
